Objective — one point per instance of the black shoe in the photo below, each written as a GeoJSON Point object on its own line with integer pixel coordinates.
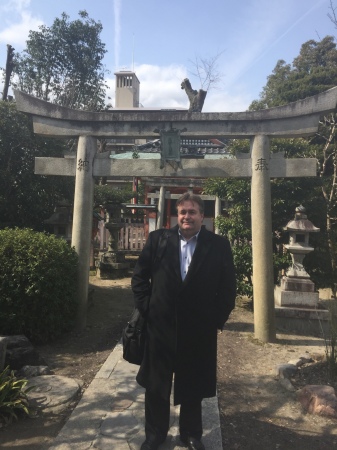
{"type": "Point", "coordinates": [192, 443]}
{"type": "Point", "coordinates": [151, 443]}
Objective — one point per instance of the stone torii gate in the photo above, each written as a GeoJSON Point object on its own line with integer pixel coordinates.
{"type": "Point", "coordinates": [297, 119]}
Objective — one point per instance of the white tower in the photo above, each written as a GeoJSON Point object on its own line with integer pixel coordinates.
{"type": "Point", "coordinates": [127, 89]}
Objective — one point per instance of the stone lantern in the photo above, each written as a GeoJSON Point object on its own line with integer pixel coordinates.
{"type": "Point", "coordinates": [112, 264]}
{"type": "Point", "coordinates": [296, 287]}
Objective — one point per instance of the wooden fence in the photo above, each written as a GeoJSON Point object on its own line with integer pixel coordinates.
{"type": "Point", "coordinates": [131, 237]}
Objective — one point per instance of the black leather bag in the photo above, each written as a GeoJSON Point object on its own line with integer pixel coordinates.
{"type": "Point", "coordinates": [134, 334]}
{"type": "Point", "coordinates": [133, 338]}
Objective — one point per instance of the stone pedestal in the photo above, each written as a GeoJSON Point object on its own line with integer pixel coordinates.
{"type": "Point", "coordinates": [112, 265]}
{"type": "Point", "coordinates": [303, 321]}
{"type": "Point", "coordinates": [108, 270]}
{"type": "Point", "coordinates": [296, 292]}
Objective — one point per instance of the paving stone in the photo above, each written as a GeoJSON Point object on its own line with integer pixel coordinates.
{"type": "Point", "coordinates": [52, 393]}
{"type": "Point", "coordinates": [119, 425]}
{"type": "Point", "coordinates": [110, 443]}
{"type": "Point", "coordinates": [120, 403]}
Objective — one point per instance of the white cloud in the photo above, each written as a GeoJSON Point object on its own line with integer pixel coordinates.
{"type": "Point", "coordinates": [17, 33]}
{"type": "Point", "coordinates": [15, 5]}
{"type": "Point", "coordinates": [223, 101]}
{"type": "Point", "coordinates": [160, 88]}
{"type": "Point", "coordinates": [17, 22]}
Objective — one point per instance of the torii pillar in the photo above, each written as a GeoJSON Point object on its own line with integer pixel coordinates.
{"type": "Point", "coordinates": [82, 220]}
{"type": "Point", "coordinates": [263, 287]}
{"type": "Point", "coordinates": [297, 119]}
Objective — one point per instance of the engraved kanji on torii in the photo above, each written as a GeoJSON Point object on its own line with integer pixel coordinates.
{"type": "Point", "coordinates": [261, 164]}
{"type": "Point", "coordinates": [297, 119]}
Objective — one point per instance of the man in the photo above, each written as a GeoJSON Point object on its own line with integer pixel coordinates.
{"type": "Point", "coordinates": [184, 283]}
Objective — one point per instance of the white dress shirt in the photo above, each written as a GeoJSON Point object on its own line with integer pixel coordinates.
{"type": "Point", "coordinates": [187, 248]}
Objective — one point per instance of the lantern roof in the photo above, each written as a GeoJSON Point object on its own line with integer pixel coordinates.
{"type": "Point", "coordinates": [300, 222]}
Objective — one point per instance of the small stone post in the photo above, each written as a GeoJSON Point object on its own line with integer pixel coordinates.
{"type": "Point", "coordinates": [161, 207]}
{"type": "Point", "coordinates": [263, 280]}
{"type": "Point", "coordinates": [217, 211]}
{"type": "Point", "coordinates": [82, 220]}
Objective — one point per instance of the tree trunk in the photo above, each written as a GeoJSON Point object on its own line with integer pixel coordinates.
{"type": "Point", "coordinates": [8, 72]}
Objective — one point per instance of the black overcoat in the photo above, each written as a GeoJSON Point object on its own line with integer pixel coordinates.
{"type": "Point", "coordinates": [183, 316]}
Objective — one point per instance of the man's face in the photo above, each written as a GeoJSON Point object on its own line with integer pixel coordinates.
{"type": "Point", "coordinates": [189, 218]}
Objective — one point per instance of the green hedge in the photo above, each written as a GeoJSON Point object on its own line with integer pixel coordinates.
{"type": "Point", "coordinates": [38, 275]}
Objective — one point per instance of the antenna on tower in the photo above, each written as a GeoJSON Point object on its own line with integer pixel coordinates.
{"type": "Point", "coordinates": [133, 53]}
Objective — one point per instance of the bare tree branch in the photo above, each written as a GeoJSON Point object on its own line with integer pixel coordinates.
{"type": "Point", "coordinates": [207, 71]}
{"type": "Point", "coordinates": [333, 16]}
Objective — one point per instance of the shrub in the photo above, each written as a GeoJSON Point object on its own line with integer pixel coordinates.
{"type": "Point", "coordinates": [13, 396]}
{"type": "Point", "coordinates": [330, 339]}
{"type": "Point", "coordinates": [38, 276]}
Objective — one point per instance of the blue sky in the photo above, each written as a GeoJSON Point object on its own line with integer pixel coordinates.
{"type": "Point", "coordinates": [160, 39]}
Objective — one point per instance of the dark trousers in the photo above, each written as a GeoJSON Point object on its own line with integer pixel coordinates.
{"type": "Point", "coordinates": [157, 418]}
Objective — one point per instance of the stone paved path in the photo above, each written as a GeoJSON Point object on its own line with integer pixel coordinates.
{"type": "Point", "coordinates": [110, 415]}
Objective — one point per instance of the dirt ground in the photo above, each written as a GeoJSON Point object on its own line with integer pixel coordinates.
{"type": "Point", "coordinates": [255, 411]}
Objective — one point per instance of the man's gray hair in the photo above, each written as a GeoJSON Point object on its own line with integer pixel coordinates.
{"type": "Point", "coordinates": [190, 197]}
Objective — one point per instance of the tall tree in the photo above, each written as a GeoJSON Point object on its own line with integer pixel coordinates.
{"type": "Point", "coordinates": [63, 63]}
{"type": "Point", "coordinates": [313, 71]}
{"type": "Point", "coordinates": [26, 200]}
